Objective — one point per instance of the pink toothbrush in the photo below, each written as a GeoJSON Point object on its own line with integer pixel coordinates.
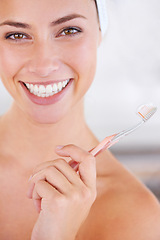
{"type": "Point", "coordinates": [145, 112]}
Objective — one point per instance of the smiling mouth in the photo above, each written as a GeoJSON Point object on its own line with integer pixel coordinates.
{"type": "Point", "coordinates": [48, 90]}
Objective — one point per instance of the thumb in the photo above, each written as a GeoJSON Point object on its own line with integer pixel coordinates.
{"type": "Point", "coordinates": [86, 163]}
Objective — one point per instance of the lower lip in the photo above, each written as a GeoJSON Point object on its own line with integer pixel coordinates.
{"type": "Point", "coordinates": [46, 100]}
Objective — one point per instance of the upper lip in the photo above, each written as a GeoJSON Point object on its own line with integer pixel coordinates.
{"type": "Point", "coordinates": [47, 82]}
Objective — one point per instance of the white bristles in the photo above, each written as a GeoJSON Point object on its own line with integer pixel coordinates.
{"type": "Point", "coordinates": [146, 111]}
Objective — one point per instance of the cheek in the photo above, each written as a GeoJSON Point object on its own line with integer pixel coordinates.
{"type": "Point", "coordinates": [84, 54]}
{"type": "Point", "coordinates": [10, 63]}
{"type": "Point", "coordinates": [83, 61]}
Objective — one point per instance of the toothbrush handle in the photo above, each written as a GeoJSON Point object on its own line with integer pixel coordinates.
{"type": "Point", "coordinates": [111, 140]}
{"type": "Point", "coordinates": [105, 144]}
{"type": "Point", "coordinates": [126, 132]}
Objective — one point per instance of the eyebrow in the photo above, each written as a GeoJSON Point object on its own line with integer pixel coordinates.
{"type": "Point", "coordinates": [54, 23]}
{"type": "Point", "coordinates": [67, 18]}
{"type": "Point", "coordinates": [15, 24]}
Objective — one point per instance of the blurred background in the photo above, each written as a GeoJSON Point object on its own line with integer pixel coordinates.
{"type": "Point", "coordinates": [128, 75]}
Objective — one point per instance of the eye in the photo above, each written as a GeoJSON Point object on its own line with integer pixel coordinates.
{"type": "Point", "coordinates": [70, 31]}
{"type": "Point", "coordinates": [17, 36]}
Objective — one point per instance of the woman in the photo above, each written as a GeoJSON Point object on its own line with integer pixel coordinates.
{"type": "Point", "coordinates": [47, 63]}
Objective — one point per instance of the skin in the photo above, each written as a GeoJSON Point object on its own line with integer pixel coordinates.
{"type": "Point", "coordinates": [96, 199]}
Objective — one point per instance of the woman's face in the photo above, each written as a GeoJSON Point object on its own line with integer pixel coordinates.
{"type": "Point", "coordinates": [43, 45]}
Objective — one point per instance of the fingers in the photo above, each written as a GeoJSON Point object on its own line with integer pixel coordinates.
{"type": "Point", "coordinates": [43, 189]}
{"type": "Point", "coordinates": [43, 194]}
{"type": "Point", "coordinates": [57, 173]}
{"type": "Point", "coordinates": [87, 164]}
{"type": "Point", "coordinates": [60, 165]}
{"type": "Point", "coordinates": [57, 178]}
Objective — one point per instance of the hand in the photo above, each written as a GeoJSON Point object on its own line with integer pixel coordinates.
{"type": "Point", "coordinates": [62, 195]}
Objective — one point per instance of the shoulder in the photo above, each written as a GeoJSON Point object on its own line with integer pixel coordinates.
{"type": "Point", "coordinates": [129, 210]}
{"type": "Point", "coordinates": [1, 121]}
{"type": "Point", "coordinates": [124, 209]}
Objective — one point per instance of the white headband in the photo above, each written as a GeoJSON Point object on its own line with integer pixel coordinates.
{"type": "Point", "coordinates": [102, 12]}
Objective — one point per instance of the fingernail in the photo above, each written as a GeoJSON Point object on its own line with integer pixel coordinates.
{"type": "Point", "coordinates": [30, 178]}
{"type": "Point", "coordinates": [59, 147]}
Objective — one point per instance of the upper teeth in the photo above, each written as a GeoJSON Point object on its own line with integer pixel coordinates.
{"type": "Point", "coordinates": [46, 90]}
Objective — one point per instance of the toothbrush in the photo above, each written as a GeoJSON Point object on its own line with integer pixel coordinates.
{"type": "Point", "coordinates": [144, 112]}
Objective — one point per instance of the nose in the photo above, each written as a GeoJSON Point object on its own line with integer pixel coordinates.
{"type": "Point", "coordinates": [43, 60]}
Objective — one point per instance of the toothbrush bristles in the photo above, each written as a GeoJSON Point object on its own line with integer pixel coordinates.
{"type": "Point", "coordinates": [146, 111]}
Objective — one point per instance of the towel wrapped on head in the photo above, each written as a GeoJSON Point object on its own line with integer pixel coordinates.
{"type": "Point", "coordinates": [102, 12]}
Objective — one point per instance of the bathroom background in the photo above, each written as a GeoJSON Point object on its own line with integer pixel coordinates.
{"type": "Point", "coordinates": [128, 75]}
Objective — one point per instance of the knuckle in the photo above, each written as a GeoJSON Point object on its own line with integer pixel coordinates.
{"type": "Point", "coordinates": [70, 145]}
{"type": "Point", "coordinates": [36, 189]}
{"type": "Point", "coordinates": [83, 196]}
{"type": "Point", "coordinates": [58, 161]}
{"type": "Point", "coordinates": [49, 170]}
{"type": "Point", "coordinates": [48, 173]}
{"type": "Point", "coordinates": [75, 197]}
{"type": "Point", "coordinates": [59, 202]}
{"type": "Point", "coordinates": [89, 194]}
{"type": "Point", "coordinates": [86, 193]}
{"type": "Point", "coordinates": [88, 157]}
{"type": "Point", "coordinates": [91, 158]}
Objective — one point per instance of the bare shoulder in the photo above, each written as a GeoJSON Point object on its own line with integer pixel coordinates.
{"type": "Point", "coordinates": [1, 122]}
{"type": "Point", "coordinates": [1, 133]}
{"type": "Point", "coordinates": [124, 209]}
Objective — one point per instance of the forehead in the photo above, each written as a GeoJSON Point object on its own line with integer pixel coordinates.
{"type": "Point", "coordinates": [44, 9]}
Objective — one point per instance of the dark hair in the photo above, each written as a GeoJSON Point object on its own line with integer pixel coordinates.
{"type": "Point", "coordinates": [96, 5]}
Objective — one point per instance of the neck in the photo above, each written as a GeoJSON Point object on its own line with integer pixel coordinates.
{"type": "Point", "coordinates": [32, 143]}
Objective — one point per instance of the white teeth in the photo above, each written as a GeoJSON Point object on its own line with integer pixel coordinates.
{"type": "Point", "coordinates": [31, 88]}
{"type": "Point", "coordinates": [35, 89]}
{"type": "Point", "coordinates": [64, 83]}
{"type": "Point", "coordinates": [42, 89]}
{"type": "Point", "coordinates": [49, 89]}
{"type": "Point", "coordinates": [59, 86]}
{"type": "Point", "coordinates": [51, 94]}
{"type": "Point", "coordinates": [55, 87]}
{"type": "Point", "coordinates": [46, 90]}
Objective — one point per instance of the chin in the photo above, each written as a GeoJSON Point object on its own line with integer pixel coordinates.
{"type": "Point", "coordinates": [42, 116]}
